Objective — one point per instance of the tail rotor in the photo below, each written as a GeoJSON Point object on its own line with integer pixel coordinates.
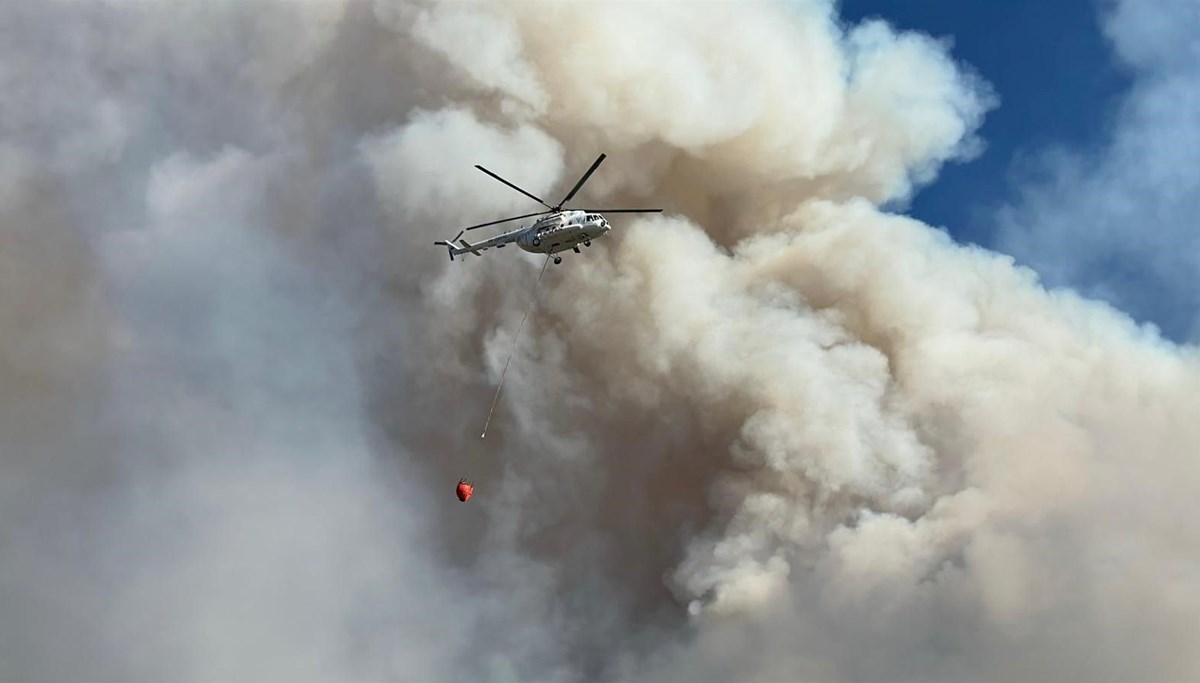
{"type": "Point", "coordinates": [450, 244]}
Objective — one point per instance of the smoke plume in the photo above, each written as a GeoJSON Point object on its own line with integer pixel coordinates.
{"type": "Point", "coordinates": [774, 434]}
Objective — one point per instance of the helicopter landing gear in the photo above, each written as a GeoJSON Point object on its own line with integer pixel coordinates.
{"type": "Point", "coordinates": [588, 243]}
{"type": "Point", "coordinates": [557, 260]}
{"type": "Point", "coordinates": [576, 248]}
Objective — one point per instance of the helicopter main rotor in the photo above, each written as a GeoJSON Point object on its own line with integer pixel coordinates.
{"type": "Point", "coordinates": [559, 208]}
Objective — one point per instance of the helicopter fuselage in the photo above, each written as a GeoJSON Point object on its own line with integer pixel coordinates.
{"type": "Point", "coordinates": [561, 231]}
{"type": "Point", "coordinates": [549, 235]}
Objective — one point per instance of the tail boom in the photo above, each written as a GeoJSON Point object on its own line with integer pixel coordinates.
{"type": "Point", "coordinates": [465, 247]}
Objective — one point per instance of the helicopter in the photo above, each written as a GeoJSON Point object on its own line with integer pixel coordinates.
{"type": "Point", "coordinates": [557, 230]}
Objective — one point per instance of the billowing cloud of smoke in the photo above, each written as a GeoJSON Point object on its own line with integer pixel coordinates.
{"type": "Point", "coordinates": [1119, 222]}
{"type": "Point", "coordinates": [774, 434]}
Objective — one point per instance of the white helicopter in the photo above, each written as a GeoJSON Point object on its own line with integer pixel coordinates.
{"type": "Point", "coordinates": [558, 230]}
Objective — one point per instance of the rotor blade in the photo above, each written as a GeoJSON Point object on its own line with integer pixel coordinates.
{"type": "Point", "coordinates": [582, 180]}
{"type": "Point", "coordinates": [621, 210]}
{"type": "Point", "coordinates": [505, 220]}
{"type": "Point", "coordinates": [539, 201]}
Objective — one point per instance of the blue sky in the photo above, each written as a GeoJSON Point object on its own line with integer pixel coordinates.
{"type": "Point", "coordinates": [1052, 69]}
{"type": "Point", "coordinates": [1090, 171]}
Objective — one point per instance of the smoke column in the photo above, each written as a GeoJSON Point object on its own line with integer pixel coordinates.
{"type": "Point", "coordinates": [775, 434]}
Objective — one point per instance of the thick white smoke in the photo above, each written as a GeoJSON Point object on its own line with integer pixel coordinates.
{"type": "Point", "coordinates": [775, 434]}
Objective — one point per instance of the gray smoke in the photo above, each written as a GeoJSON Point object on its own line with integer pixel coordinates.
{"type": "Point", "coordinates": [776, 434]}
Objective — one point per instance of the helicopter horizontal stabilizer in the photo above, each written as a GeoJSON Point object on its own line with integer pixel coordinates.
{"type": "Point", "coordinates": [470, 247]}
